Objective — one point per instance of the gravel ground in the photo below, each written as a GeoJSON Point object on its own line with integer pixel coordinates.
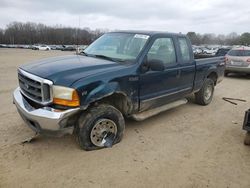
{"type": "Point", "coordinates": [189, 146]}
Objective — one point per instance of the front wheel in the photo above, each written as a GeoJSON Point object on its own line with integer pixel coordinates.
{"type": "Point", "coordinates": [101, 126]}
{"type": "Point", "coordinates": [205, 95]}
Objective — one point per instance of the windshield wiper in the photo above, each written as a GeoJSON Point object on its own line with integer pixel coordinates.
{"type": "Point", "coordinates": [105, 57]}
{"type": "Point", "coordinates": [84, 53]}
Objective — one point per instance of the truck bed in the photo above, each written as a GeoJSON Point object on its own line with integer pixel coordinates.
{"type": "Point", "coordinates": [203, 65]}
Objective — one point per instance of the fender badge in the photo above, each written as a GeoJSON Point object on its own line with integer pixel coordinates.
{"type": "Point", "coordinates": [84, 93]}
{"type": "Point", "coordinates": [134, 78]}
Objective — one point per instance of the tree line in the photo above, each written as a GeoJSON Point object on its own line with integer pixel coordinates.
{"type": "Point", "coordinates": [230, 39]}
{"type": "Point", "coordinates": [33, 33]}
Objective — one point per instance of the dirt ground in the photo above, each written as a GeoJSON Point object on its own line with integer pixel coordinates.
{"type": "Point", "coordinates": [189, 146]}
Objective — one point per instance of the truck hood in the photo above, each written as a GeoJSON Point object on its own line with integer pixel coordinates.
{"type": "Point", "coordinates": [65, 70]}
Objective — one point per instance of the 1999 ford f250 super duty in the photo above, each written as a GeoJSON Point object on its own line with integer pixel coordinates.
{"type": "Point", "coordinates": [133, 74]}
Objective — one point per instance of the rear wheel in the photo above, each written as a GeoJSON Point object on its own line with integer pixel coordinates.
{"type": "Point", "coordinates": [99, 127]}
{"type": "Point", "coordinates": [205, 95]}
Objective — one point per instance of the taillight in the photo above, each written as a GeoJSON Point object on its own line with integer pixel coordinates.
{"type": "Point", "coordinates": [226, 59]}
{"type": "Point", "coordinates": [248, 60]}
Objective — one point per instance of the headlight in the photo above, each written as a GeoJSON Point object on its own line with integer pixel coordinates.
{"type": "Point", "coordinates": [65, 96]}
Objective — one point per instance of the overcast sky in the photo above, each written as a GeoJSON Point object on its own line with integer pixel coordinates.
{"type": "Point", "coordinates": [203, 16]}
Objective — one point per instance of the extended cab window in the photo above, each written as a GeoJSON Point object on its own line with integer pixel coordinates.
{"type": "Point", "coordinates": [163, 50]}
{"type": "Point", "coordinates": [185, 55]}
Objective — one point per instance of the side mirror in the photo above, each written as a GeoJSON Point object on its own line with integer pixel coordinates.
{"type": "Point", "coordinates": [156, 65]}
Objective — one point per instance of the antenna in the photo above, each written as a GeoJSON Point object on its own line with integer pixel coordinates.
{"type": "Point", "coordinates": [77, 39]}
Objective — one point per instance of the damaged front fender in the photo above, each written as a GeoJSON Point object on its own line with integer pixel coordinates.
{"type": "Point", "coordinates": [101, 91]}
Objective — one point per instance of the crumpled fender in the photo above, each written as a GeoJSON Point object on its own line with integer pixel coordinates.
{"type": "Point", "coordinates": [103, 90]}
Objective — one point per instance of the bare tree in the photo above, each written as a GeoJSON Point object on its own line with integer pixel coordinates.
{"type": "Point", "coordinates": [32, 33]}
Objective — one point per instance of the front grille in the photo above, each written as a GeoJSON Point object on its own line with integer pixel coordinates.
{"type": "Point", "coordinates": [35, 88]}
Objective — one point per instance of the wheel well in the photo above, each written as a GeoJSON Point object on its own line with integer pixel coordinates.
{"type": "Point", "coordinates": [213, 76]}
{"type": "Point", "coordinates": [119, 101]}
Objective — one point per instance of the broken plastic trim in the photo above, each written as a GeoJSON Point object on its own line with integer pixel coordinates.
{"type": "Point", "coordinates": [108, 140]}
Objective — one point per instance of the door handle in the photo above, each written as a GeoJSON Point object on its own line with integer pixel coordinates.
{"type": "Point", "coordinates": [178, 74]}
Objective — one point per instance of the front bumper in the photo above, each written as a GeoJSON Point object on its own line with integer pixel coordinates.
{"type": "Point", "coordinates": [46, 120]}
{"type": "Point", "coordinates": [235, 69]}
{"type": "Point", "coordinates": [246, 124]}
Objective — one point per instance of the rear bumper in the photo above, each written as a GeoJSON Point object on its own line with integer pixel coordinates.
{"type": "Point", "coordinates": [238, 69]}
{"type": "Point", "coordinates": [44, 120]}
{"type": "Point", "coordinates": [246, 124]}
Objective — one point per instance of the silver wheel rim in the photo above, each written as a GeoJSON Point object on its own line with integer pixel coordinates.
{"type": "Point", "coordinates": [208, 92]}
{"type": "Point", "coordinates": [100, 130]}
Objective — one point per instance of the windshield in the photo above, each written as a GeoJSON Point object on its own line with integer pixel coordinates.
{"type": "Point", "coordinates": [117, 46]}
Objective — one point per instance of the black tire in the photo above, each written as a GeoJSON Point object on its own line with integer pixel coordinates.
{"type": "Point", "coordinates": [88, 120]}
{"type": "Point", "coordinates": [200, 96]}
{"type": "Point", "coordinates": [247, 139]}
{"type": "Point", "coordinates": [226, 74]}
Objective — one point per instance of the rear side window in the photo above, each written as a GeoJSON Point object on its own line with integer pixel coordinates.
{"type": "Point", "coordinates": [185, 55]}
{"type": "Point", "coordinates": [239, 53]}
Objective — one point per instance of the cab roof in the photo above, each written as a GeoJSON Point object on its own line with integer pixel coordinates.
{"type": "Point", "coordinates": [150, 33]}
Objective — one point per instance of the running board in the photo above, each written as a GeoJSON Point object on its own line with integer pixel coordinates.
{"type": "Point", "coordinates": [146, 114]}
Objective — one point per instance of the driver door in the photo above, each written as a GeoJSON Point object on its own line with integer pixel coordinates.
{"type": "Point", "coordinates": [158, 87]}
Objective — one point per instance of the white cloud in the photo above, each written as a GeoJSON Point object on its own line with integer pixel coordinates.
{"type": "Point", "coordinates": [204, 16]}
